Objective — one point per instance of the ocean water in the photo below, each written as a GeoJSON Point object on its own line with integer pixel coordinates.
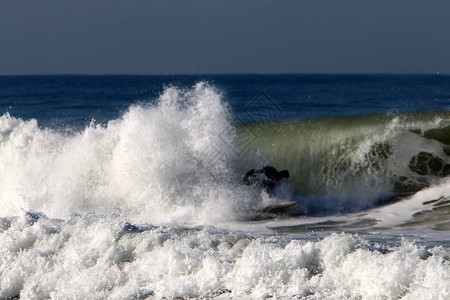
{"type": "Point", "coordinates": [130, 187]}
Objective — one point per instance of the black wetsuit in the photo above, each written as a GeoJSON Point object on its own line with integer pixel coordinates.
{"type": "Point", "coordinates": [266, 177]}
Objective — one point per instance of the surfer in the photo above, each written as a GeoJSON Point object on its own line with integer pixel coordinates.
{"type": "Point", "coordinates": [266, 177]}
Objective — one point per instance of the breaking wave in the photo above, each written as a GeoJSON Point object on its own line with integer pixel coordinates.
{"type": "Point", "coordinates": [180, 159]}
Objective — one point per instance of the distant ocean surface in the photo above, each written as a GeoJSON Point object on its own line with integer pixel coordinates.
{"type": "Point", "coordinates": [130, 187]}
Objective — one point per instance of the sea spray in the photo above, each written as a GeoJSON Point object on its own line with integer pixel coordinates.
{"type": "Point", "coordinates": [163, 162]}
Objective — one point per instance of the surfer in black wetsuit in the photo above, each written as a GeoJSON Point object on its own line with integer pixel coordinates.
{"type": "Point", "coordinates": [266, 177]}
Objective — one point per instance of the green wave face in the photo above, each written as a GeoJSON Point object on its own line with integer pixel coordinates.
{"type": "Point", "coordinates": [368, 156]}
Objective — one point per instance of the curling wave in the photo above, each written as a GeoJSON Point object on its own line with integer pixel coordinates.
{"type": "Point", "coordinates": [353, 162]}
{"type": "Point", "coordinates": [180, 159]}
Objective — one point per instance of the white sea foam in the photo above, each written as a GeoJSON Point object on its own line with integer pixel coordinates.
{"type": "Point", "coordinates": [165, 162]}
{"type": "Point", "coordinates": [97, 257]}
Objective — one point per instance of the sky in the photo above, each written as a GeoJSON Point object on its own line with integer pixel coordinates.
{"type": "Point", "coordinates": [224, 36]}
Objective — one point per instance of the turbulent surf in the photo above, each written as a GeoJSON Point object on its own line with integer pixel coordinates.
{"type": "Point", "coordinates": [152, 205]}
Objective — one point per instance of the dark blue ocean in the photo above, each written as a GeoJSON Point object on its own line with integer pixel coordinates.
{"type": "Point", "coordinates": [130, 187]}
{"type": "Point", "coordinates": [73, 100]}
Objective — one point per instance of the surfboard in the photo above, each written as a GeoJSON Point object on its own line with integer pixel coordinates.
{"type": "Point", "coordinates": [279, 208]}
{"type": "Point", "coordinates": [272, 211]}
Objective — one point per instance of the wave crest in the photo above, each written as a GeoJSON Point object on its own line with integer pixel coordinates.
{"type": "Point", "coordinates": [156, 163]}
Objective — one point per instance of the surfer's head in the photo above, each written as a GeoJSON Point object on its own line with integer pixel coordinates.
{"type": "Point", "coordinates": [283, 174]}
{"type": "Point", "coordinates": [273, 173]}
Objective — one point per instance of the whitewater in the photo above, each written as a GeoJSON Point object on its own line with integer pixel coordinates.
{"type": "Point", "coordinates": [151, 205]}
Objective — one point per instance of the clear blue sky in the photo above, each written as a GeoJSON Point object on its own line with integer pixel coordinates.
{"type": "Point", "coordinates": [224, 36]}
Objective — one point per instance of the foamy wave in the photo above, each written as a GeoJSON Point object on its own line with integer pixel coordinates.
{"type": "Point", "coordinates": [157, 163]}
{"type": "Point", "coordinates": [43, 258]}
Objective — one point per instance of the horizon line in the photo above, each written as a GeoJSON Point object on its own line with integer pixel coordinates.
{"type": "Point", "coordinates": [229, 74]}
